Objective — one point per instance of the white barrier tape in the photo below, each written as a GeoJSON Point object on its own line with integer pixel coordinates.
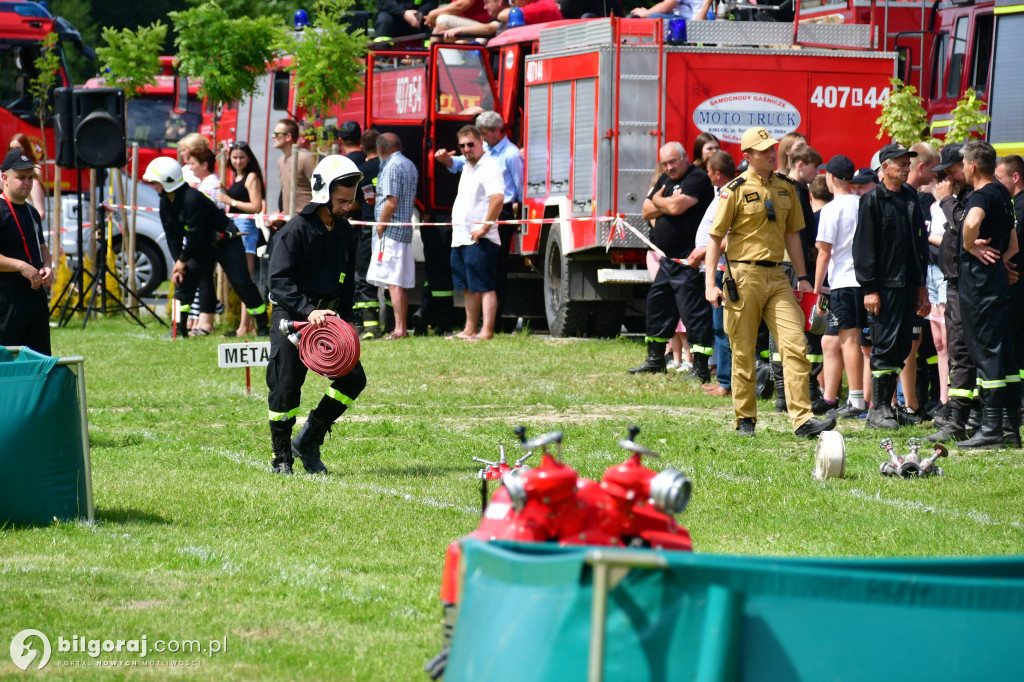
{"type": "Point", "coordinates": [270, 217]}
{"type": "Point", "coordinates": [620, 223]}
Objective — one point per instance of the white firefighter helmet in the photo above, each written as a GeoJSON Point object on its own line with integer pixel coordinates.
{"type": "Point", "coordinates": [332, 168]}
{"type": "Point", "coordinates": [166, 172]}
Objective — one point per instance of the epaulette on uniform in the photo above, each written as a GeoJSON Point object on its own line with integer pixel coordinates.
{"type": "Point", "coordinates": [786, 178]}
{"type": "Point", "coordinates": [736, 183]}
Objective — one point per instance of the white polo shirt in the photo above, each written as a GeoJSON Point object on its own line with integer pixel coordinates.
{"type": "Point", "coordinates": [477, 184]}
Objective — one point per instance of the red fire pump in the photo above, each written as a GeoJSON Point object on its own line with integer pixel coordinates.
{"type": "Point", "coordinates": [632, 506]}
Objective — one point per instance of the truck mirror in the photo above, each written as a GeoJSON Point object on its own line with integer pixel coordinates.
{"type": "Point", "coordinates": [282, 87]}
{"type": "Point", "coordinates": [180, 94]}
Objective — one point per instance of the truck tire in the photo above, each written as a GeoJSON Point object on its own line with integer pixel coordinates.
{"type": "Point", "coordinates": [565, 316]}
{"type": "Point", "coordinates": [607, 318]}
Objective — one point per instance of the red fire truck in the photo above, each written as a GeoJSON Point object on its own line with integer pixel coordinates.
{"type": "Point", "coordinates": [590, 102]}
{"type": "Point", "coordinates": [23, 27]}
{"type": "Point", "coordinates": [945, 47]}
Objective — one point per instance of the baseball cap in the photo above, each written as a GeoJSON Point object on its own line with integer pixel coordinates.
{"type": "Point", "coordinates": [16, 160]}
{"type": "Point", "coordinates": [349, 131]}
{"type": "Point", "coordinates": [950, 154]}
{"type": "Point", "coordinates": [758, 139]}
{"type": "Point", "coordinates": [841, 167]}
{"type": "Point", "coordinates": [893, 151]}
{"type": "Point", "coordinates": [864, 176]}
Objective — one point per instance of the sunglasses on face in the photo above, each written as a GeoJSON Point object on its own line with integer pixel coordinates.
{"type": "Point", "coordinates": [242, 145]}
{"type": "Point", "coordinates": [467, 145]}
{"type": "Point", "coordinates": [277, 134]}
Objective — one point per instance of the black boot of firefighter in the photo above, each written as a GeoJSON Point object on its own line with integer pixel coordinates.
{"type": "Point", "coordinates": [780, 390]}
{"type": "Point", "coordinates": [655, 362]}
{"type": "Point", "coordinates": [954, 427]}
{"type": "Point", "coordinates": [262, 323]}
{"type": "Point", "coordinates": [306, 445]}
{"type": "Point", "coordinates": [990, 434]}
{"type": "Point", "coordinates": [700, 372]}
{"type": "Point", "coordinates": [881, 414]}
{"type": "Point", "coordinates": [282, 462]}
{"type": "Point", "coordinates": [1011, 427]}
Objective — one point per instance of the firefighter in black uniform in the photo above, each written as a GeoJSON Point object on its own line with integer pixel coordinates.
{"type": "Point", "coordinates": [366, 304]}
{"type": "Point", "coordinates": [25, 264]}
{"type": "Point", "coordinates": [890, 257]}
{"type": "Point", "coordinates": [988, 241]}
{"type": "Point", "coordinates": [200, 235]}
{"type": "Point", "coordinates": [962, 374]}
{"type": "Point", "coordinates": [1010, 172]}
{"type": "Point", "coordinates": [676, 204]}
{"type": "Point", "coordinates": [312, 278]}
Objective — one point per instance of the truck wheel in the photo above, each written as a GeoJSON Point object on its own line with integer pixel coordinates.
{"type": "Point", "coordinates": [566, 317]}
{"type": "Point", "coordinates": [606, 322]}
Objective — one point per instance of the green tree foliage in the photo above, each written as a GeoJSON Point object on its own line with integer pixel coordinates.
{"type": "Point", "coordinates": [903, 116]}
{"type": "Point", "coordinates": [968, 121]}
{"type": "Point", "coordinates": [328, 66]}
{"type": "Point", "coordinates": [47, 66]}
{"type": "Point", "coordinates": [131, 59]}
{"type": "Point", "coordinates": [229, 55]}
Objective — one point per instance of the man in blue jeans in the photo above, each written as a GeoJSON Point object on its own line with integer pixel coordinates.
{"type": "Point", "coordinates": [721, 170]}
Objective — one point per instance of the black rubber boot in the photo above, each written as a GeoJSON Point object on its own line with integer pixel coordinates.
{"type": "Point", "coordinates": [974, 418]}
{"type": "Point", "coordinates": [700, 371]}
{"type": "Point", "coordinates": [262, 324]}
{"type": "Point", "coordinates": [445, 307]}
{"type": "Point", "coordinates": [818, 404]}
{"type": "Point", "coordinates": [306, 445]}
{"type": "Point", "coordinates": [282, 462]}
{"type": "Point", "coordinates": [655, 362]}
{"type": "Point", "coordinates": [990, 435]}
{"type": "Point", "coordinates": [880, 414]}
{"type": "Point", "coordinates": [763, 386]}
{"type": "Point", "coordinates": [1011, 427]}
{"type": "Point", "coordinates": [954, 427]}
{"type": "Point", "coordinates": [780, 391]}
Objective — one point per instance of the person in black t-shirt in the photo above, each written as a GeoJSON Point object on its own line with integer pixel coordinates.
{"type": "Point", "coordinates": [988, 242]}
{"type": "Point", "coordinates": [676, 204]}
{"type": "Point", "coordinates": [25, 263]}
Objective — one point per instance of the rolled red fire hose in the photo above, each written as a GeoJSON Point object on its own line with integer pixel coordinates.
{"type": "Point", "coordinates": [331, 350]}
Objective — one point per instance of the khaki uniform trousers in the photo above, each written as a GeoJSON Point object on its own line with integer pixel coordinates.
{"type": "Point", "coordinates": [766, 293]}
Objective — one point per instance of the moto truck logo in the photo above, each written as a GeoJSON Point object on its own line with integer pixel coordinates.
{"type": "Point", "coordinates": [728, 116]}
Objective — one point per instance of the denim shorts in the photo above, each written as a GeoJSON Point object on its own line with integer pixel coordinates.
{"type": "Point", "coordinates": [250, 233]}
{"type": "Point", "coordinates": [936, 285]}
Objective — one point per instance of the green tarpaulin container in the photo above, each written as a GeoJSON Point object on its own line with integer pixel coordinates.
{"type": "Point", "coordinates": [538, 612]}
{"type": "Point", "coordinates": [44, 444]}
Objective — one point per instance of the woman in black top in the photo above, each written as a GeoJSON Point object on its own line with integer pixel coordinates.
{"type": "Point", "coordinates": [245, 195]}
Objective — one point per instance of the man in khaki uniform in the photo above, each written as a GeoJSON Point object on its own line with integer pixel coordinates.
{"type": "Point", "coordinates": [761, 214]}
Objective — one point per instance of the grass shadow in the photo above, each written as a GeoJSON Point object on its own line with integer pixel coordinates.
{"type": "Point", "coordinates": [123, 516]}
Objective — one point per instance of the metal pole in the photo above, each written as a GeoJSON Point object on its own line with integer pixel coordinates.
{"type": "Point", "coordinates": [93, 194]}
{"type": "Point", "coordinates": [134, 201]}
{"type": "Point", "coordinates": [56, 219]}
{"type": "Point", "coordinates": [293, 180]}
{"type": "Point", "coordinates": [598, 616]}
{"type": "Point", "coordinates": [603, 561]}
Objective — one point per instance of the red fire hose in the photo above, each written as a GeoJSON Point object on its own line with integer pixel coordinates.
{"type": "Point", "coordinates": [331, 350]}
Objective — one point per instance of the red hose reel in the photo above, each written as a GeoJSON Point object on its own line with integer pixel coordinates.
{"type": "Point", "coordinates": [331, 350]}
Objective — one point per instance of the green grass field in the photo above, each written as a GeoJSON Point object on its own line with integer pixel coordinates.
{"type": "Point", "coordinates": [336, 578]}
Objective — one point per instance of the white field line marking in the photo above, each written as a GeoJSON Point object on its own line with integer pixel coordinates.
{"type": "Point", "coordinates": [368, 490]}
{"type": "Point", "coordinates": [978, 517]}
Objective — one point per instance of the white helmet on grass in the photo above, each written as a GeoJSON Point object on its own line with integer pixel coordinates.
{"type": "Point", "coordinates": [333, 168]}
{"type": "Point", "coordinates": [165, 172]}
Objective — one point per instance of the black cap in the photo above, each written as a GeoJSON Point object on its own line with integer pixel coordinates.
{"type": "Point", "coordinates": [350, 131]}
{"type": "Point", "coordinates": [950, 154]}
{"type": "Point", "coordinates": [16, 160]}
{"type": "Point", "coordinates": [893, 151]}
{"type": "Point", "coordinates": [841, 167]}
{"type": "Point", "coordinates": [864, 176]}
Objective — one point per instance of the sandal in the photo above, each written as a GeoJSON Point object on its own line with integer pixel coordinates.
{"type": "Point", "coordinates": [199, 331]}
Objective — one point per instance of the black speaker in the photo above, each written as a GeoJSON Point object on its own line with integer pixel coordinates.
{"type": "Point", "coordinates": [89, 127]}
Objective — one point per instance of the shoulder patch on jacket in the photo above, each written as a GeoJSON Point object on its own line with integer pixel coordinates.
{"type": "Point", "coordinates": [786, 178]}
{"type": "Point", "coordinates": [736, 183]}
